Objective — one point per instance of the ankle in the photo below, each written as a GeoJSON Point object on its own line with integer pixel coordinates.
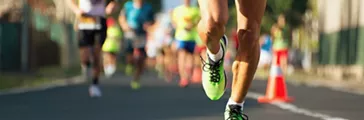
{"type": "Point", "coordinates": [232, 102]}
{"type": "Point", "coordinates": [216, 57]}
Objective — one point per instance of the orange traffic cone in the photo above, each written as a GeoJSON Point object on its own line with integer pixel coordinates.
{"type": "Point", "coordinates": [276, 88]}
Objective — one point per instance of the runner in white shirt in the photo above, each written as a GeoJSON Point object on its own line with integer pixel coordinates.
{"type": "Point", "coordinates": [90, 23]}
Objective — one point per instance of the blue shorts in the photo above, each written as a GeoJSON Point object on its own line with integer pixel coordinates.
{"type": "Point", "coordinates": [189, 46]}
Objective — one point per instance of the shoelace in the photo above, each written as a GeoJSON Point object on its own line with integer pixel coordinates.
{"type": "Point", "coordinates": [213, 69]}
{"type": "Point", "coordinates": [235, 114]}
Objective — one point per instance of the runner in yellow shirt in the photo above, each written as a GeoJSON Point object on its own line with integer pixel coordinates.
{"type": "Point", "coordinates": [111, 47]}
{"type": "Point", "coordinates": [186, 18]}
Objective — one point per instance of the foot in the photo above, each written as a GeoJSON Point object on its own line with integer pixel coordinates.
{"type": "Point", "coordinates": [213, 75]}
{"type": "Point", "coordinates": [233, 112]}
{"type": "Point", "coordinates": [183, 83]}
{"type": "Point", "coordinates": [94, 91]}
{"type": "Point", "coordinates": [129, 69]}
{"type": "Point", "coordinates": [134, 85]}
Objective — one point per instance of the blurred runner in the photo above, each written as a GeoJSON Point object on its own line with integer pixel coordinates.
{"type": "Point", "coordinates": [214, 16]}
{"type": "Point", "coordinates": [200, 50]}
{"type": "Point", "coordinates": [280, 45]}
{"type": "Point", "coordinates": [91, 22]}
{"type": "Point", "coordinates": [265, 52]}
{"type": "Point", "coordinates": [185, 18]}
{"type": "Point", "coordinates": [135, 18]}
{"type": "Point", "coordinates": [172, 49]}
{"type": "Point", "coordinates": [111, 47]}
{"type": "Point", "coordinates": [162, 40]}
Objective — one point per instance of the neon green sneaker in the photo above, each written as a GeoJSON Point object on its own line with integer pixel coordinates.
{"type": "Point", "coordinates": [129, 69]}
{"type": "Point", "coordinates": [134, 85]}
{"type": "Point", "coordinates": [233, 112]}
{"type": "Point", "coordinates": [214, 76]}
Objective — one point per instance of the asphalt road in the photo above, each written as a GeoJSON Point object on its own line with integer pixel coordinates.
{"type": "Point", "coordinates": [158, 100]}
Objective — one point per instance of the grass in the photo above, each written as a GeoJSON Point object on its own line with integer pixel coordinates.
{"type": "Point", "coordinates": [42, 76]}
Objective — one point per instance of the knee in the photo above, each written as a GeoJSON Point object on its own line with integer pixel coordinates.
{"type": "Point", "coordinates": [217, 22]}
{"type": "Point", "coordinates": [213, 25]}
{"type": "Point", "coordinates": [249, 31]}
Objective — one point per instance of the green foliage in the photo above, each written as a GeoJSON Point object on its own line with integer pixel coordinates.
{"type": "Point", "coordinates": [232, 19]}
{"type": "Point", "coordinates": [292, 9]}
{"type": "Point", "coordinates": [278, 6]}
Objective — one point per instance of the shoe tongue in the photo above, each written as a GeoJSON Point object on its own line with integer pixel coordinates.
{"type": "Point", "coordinates": [212, 61]}
{"type": "Point", "coordinates": [235, 107]}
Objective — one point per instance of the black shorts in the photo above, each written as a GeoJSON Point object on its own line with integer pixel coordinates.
{"type": "Point", "coordinates": [90, 37]}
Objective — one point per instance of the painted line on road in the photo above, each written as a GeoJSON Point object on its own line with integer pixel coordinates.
{"type": "Point", "coordinates": [297, 110]}
{"type": "Point", "coordinates": [71, 81]}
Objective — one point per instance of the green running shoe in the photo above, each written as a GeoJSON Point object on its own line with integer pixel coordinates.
{"type": "Point", "coordinates": [213, 75]}
{"type": "Point", "coordinates": [135, 85]}
{"type": "Point", "coordinates": [233, 112]}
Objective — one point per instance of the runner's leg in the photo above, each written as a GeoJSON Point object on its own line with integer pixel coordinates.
{"type": "Point", "coordinates": [181, 56]}
{"type": "Point", "coordinates": [139, 56]}
{"type": "Point", "coordinates": [101, 37]}
{"type": "Point", "coordinates": [129, 57]}
{"type": "Point", "coordinates": [250, 13]}
{"type": "Point", "coordinates": [214, 16]}
{"type": "Point", "coordinates": [85, 42]}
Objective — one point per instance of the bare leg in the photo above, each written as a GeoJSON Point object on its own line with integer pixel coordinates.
{"type": "Point", "coordinates": [167, 61]}
{"type": "Point", "coordinates": [250, 13]}
{"type": "Point", "coordinates": [84, 56]}
{"type": "Point", "coordinates": [182, 56]}
{"type": "Point", "coordinates": [129, 64]}
{"type": "Point", "coordinates": [140, 66]}
{"type": "Point", "coordinates": [96, 62]}
{"type": "Point", "coordinates": [214, 16]}
{"type": "Point", "coordinates": [188, 65]}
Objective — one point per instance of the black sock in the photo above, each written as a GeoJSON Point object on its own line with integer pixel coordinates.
{"type": "Point", "coordinates": [95, 81]}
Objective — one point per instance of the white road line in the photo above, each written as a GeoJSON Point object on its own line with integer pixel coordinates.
{"type": "Point", "coordinates": [295, 109]}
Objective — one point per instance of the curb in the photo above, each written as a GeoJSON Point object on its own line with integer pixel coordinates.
{"type": "Point", "coordinates": [54, 84]}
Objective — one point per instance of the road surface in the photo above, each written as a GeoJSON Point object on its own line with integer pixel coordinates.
{"type": "Point", "coordinates": [158, 100]}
